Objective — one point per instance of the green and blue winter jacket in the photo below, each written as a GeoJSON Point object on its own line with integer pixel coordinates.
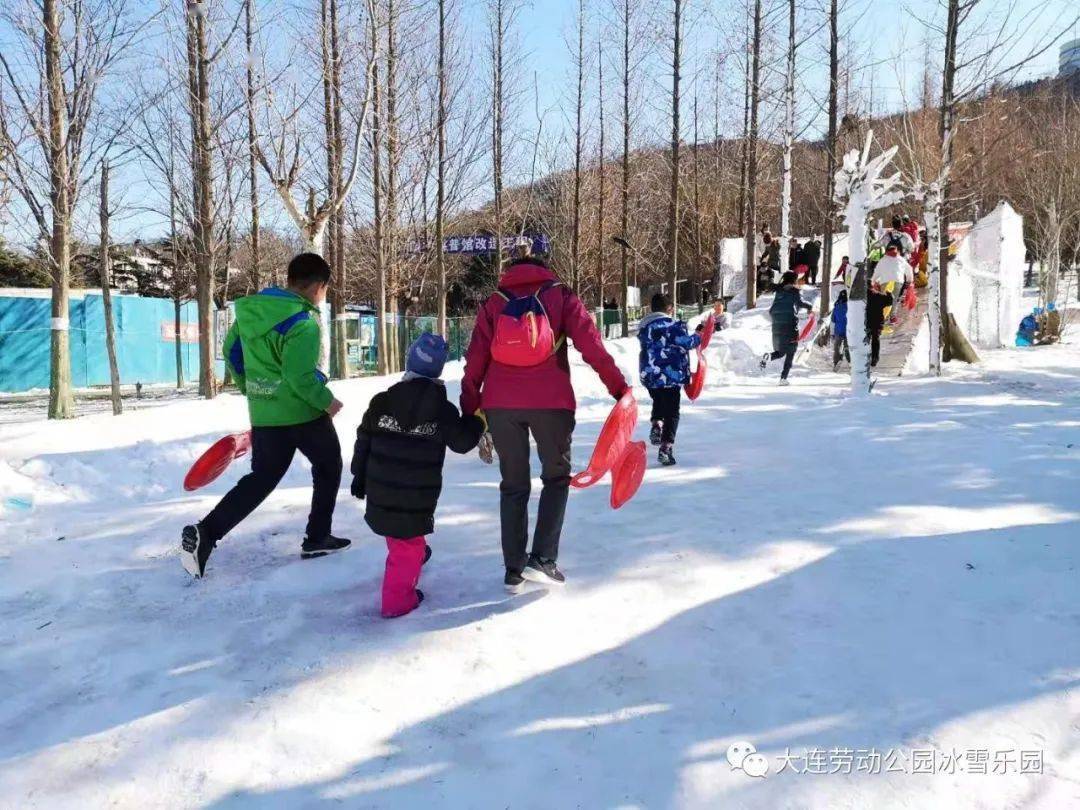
{"type": "Point", "coordinates": [273, 351]}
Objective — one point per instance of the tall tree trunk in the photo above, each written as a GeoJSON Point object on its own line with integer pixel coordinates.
{"type": "Point", "coordinates": [440, 183]}
{"type": "Point", "coordinates": [932, 213]}
{"type": "Point", "coordinates": [575, 234]}
{"type": "Point", "coordinates": [699, 274]}
{"type": "Point", "coordinates": [106, 293]}
{"type": "Point", "coordinates": [203, 194]}
{"type": "Point", "coordinates": [338, 359]}
{"type": "Point", "coordinates": [751, 162]}
{"type": "Point", "coordinates": [625, 191]}
{"type": "Point", "coordinates": [497, 109]}
{"type": "Point", "coordinates": [253, 190]}
{"type": "Point", "coordinates": [337, 216]}
{"type": "Point", "coordinates": [830, 162]}
{"type": "Point", "coordinates": [177, 286]}
{"type": "Point", "coordinates": [744, 144]}
{"type": "Point", "coordinates": [61, 398]}
{"type": "Point", "coordinates": [789, 141]}
{"type": "Point", "coordinates": [673, 210]}
{"type": "Point", "coordinates": [602, 190]}
{"type": "Point", "coordinates": [947, 127]}
{"type": "Point", "coordinates": [382, 334]}
{"type": "Point", "coordinates": [390, 235]}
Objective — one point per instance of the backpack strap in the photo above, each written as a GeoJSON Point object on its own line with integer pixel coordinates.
{"type": "Point", "coordinates": [506, 294]}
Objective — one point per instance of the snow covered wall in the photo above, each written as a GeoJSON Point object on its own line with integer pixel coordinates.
{"type": "Point", "coordinates": [986, 278]}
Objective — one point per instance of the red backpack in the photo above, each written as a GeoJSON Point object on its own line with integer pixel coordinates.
{"type": "Point", "coordinates": [523, 334]}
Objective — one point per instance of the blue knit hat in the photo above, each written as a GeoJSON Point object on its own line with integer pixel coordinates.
{"type": "Point", "coordinates": [427, 356]}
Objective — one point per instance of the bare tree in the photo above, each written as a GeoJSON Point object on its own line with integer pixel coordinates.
{"type": "Point", "coordinates": [440, 187]}
{"type": "Point", "coordinates": [62, 54]}
{"type": "Point", "coordinates": [789, 141]}
{"type": "Point", "coordinates": [673, 205]}
{"type": "Point", "coordinates": [830, 157]}
{"type": "Point", "coordinates": [106, 292]}
{"type": "Point", "coordinates": [253, 180]}
{"type": "Point", "coordinates": [752, 159]}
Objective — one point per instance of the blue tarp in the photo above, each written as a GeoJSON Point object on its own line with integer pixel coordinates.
{"type": "Point", "coordinates": [145, 347]}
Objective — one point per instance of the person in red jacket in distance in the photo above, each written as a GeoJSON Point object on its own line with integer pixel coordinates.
{"type": "Point", "coordinates": [537, 399]}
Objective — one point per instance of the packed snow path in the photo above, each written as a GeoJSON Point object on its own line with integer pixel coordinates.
{"type": "Point", "coordinates": [896, 573]}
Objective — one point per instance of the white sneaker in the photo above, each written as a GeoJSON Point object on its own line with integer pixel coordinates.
{"type": "Point", "coordinates": [785, 382]}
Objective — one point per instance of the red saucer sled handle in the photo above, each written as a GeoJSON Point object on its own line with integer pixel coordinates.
{"type": "Point", "coordinates": [216, 460]}
{"type": "Point", "coordinates": [808, 327]}
{"type": "Point", "coordinates": [696, 384]}
{"type": "Point", "coordinates": [707, 332]}
{"type": "Point", "coordinates": [614, 436]}
{"type": "Point", "coordinates": [628, 472]}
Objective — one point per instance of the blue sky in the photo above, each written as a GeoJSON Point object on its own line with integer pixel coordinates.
{"type": "Point", "coordinates": [885, 36]}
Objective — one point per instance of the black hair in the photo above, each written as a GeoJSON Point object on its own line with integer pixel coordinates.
{"type": "Point", "coordinates": [306, 269]}
{"type": "Point", "coordinates": [847, 258]}
{"type": "Point", "coordinates": [897, 222]}
{"type": "Point", "coordinates": [789, 278]}
{"type": "Point", "coordinates": [660, 303]}
{"type": "Point", "coordinates": [534, 259]}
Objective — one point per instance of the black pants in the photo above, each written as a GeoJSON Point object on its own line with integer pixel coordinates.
{"type": "Point", "coordinates": [840, 346]}
{"type": "Point", "coordinates": [875, 346]}
{"type": "Point", "coordinates": [272, 451]}
{"type": "Point", "coordinates": [552, 430]}
{"type": "Point", "coordinates": [811, 274]}
{"type": "Point", "coordinates": [785, 344]}
{"type": "Point", "coordinates": [665, 410]}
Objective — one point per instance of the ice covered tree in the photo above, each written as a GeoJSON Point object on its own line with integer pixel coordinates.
{"type": "Point", "coordinates": [860, 190]}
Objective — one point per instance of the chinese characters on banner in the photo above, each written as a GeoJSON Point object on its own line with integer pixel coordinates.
{"type": "Point", "coordinates": [476, 244]}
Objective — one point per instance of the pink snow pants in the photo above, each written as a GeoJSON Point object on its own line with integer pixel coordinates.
{"type": "Point", "coordinates": [403, 561]}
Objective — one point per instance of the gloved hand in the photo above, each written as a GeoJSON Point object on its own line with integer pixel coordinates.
{"type": "Point", "coordinates": [479, 413]}
{"type": "Point", "coordinates": [486, 448]}
{"type": "Point", "coordinates": [357, 489]}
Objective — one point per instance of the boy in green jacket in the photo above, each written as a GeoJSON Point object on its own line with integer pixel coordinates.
{"type": "Point", "coordinates": [273, 351]}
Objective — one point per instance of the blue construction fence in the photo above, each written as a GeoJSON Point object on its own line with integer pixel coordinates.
{"type": "Point", "coordinates": [145, 340]}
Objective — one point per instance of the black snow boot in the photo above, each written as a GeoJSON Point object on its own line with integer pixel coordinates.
{"type": "Point", "coordinates": [320, 548]}
{"type": "Point", "coordinates": [513, 581]}
{"type": "Point", "coordinates": [666, 456]}
{"type": "Point", "coordinates": [655, 434]}
{"type": "Point", "coordinates": [427, 554]}
{"type": "Point", "coordinates": [194, 551]}
{"type": "Point", "coordinates": [542, 571]}
{"type": "Point", "coordinates": [765, 358]}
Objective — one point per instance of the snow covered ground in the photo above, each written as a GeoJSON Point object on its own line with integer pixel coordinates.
{"type": "Point", "coordinates": [831, 580]}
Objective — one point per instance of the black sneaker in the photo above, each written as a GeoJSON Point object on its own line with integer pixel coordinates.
{"type": "Point", "coordinates": [427, 554]}
{"type": "Point", "coordinates": [666, 456]}
{"type": "Point", "coordinates": [655, 434]}
{"type": "Point", "coordinates": [320, 548]}
{"type": "Point", "coordinates": [419, 597]}
{"type": "Point", "coordinates": [513, 581]}
{"type": "Point", "coordinates": [545, 572]}
{"type": "Point", "coordinates": [194, 551]}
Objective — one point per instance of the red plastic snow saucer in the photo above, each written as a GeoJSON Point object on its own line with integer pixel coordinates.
{"type": "Point", "coordinates": [627, 474]}
{"type": "Point", "coordinates": [694, 388]}
{"type": "Point", "coordinates": [216, 460]}
{"type": "Point", "coordinates": [614, 436]}
{"type": "Point", "coordinates": [707, 332]}
{"type": "Point", "coordinates": [808, 328]}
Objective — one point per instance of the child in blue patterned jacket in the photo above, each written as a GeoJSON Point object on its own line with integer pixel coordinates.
{"type": "Point", "coordinates": [665, 367]}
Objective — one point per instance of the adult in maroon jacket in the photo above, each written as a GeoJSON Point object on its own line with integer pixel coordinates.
{"type": "Point", "coordinates": [537, 399]}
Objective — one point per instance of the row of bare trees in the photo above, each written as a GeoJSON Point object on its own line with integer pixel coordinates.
{"type": "Point", "coordinates": [371, 130]}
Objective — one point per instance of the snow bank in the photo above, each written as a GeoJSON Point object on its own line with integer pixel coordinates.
{"type": "Point", "coordinates": [986, 279]}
